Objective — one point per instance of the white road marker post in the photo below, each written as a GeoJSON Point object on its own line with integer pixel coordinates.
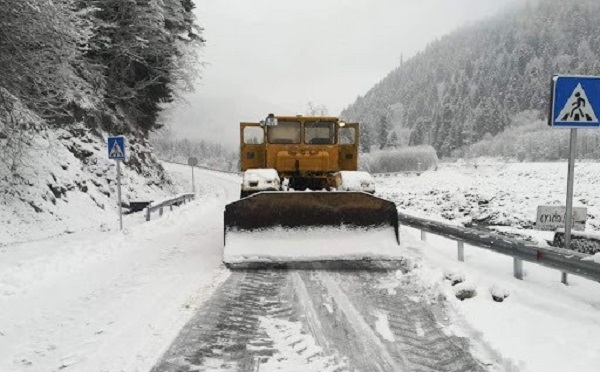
{"type": "Point", "coordinates": [461, 251]}
{"type": "Point", "coordinates": [518, 268]}
{"type": "Point", "coordinates": [192, 162]}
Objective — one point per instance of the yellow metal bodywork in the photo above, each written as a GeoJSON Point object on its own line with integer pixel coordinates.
{"type": "Point", "coordinates": [301, 160]}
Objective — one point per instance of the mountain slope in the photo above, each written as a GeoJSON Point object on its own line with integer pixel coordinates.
{"type": "Point", "coordinates": [475, 80]}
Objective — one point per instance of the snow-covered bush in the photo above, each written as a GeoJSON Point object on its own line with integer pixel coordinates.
{"type": "Point", "coordinates": [465, 291]}
{"type": "Point", "coordinates": [418, 158]}
{"type": "Point", "coordinates": [499, 294]}
{"type": "Point", "coordinates": [532, 141]}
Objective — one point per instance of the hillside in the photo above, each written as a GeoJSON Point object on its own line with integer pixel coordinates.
{"type": "Point", "coordinates": [73, 72]}
{"type": "Point", "coordinates": [475, 81]}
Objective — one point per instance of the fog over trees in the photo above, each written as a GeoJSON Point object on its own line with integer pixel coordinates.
{"type": "Point", "coordinates": [482, 80]}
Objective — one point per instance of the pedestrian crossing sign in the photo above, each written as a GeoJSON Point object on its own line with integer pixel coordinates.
{"type": "Point", "coordinates": [575, 102]}
{"type": "Point", "coordinates": [116, 148]}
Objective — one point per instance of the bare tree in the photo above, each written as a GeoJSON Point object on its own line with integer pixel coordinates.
{"type": "Point", "coordinates": [15, 131]}
{"type": "Point", "coordinates": [314, 109]}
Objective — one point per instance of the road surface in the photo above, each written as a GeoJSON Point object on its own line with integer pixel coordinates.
{"type": "Point", "coordinates": [318, 320]}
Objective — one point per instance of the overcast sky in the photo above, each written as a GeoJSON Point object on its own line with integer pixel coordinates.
{"type": "Point", "coordinates": [277, 55]}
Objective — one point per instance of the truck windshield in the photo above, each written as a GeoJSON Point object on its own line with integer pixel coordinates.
{"type": "Point", "coordinates": [284, 132]}
{"type": "Point", "coordinates": [319, 133]}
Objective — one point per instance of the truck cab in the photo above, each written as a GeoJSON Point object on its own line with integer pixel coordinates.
{"type": "Point", "coordinates": [306, 150]}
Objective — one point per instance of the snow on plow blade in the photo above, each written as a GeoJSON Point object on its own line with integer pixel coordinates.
{"type": "Point", "coordinates": [312, 230]}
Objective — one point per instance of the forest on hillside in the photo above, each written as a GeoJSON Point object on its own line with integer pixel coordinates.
{"type": "Point", "coordinates": [104, 65]}
{"type": "Point", "coordinates": [478, 82]}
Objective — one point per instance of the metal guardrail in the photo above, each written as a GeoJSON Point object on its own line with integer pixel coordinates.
{"type": "Point", "coordinates": [200, 167]}
{"type": "Point", "coordinates": [394, 174]}
{"type": "Point", "coordinates": [177, 200]}
{"type": "Point", "coordinates": [564, 260]}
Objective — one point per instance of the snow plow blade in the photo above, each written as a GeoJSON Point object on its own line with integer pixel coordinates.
{"type": "Point", "coordinates": [341, 230]}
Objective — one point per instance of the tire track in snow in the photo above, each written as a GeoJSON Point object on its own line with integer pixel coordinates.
{"type": "Point", "coordinates": [225, 334]}
{"type": "Point", "coordinates": [418, 334]}
{"type": "Point", "coordinates": [316, 321]}
{"type": "Point", "coordinates": [370, 342]}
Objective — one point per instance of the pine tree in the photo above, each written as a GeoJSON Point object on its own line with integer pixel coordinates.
{"type": "Point", "coordinates": [383, 131]}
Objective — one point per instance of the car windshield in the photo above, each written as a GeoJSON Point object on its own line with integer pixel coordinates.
{"type": "Point", "coordinates": [319, 133]}
{"type": "Point", "coordinates": [284, 132]}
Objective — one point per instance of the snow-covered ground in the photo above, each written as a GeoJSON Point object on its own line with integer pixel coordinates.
{"type": "Point", "coordinates": [494, 193]}
{"type": "Point", "coordinates": [541, 326]}
{"type": "Point", "coordinates": [112, 301]}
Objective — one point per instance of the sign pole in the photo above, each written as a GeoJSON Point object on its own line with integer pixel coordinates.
{"type": "Point", "coordinates": [116, 151]}
{"type": "Point", "coordinates": [570, 181]}
{"type": "Point", "coordinates": [192, 162]}
{"type": "Point", "coordinates": [193, 181]}
{"type": "Point", "coordinates": [119, 194]}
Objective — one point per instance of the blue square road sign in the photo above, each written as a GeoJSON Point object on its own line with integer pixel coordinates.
{"type": "Point", "coordinates": [575, 102]}
{"type": "Point", "coordinates": [116, 148]}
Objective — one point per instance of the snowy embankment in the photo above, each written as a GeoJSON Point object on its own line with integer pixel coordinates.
{"type": "Point", "coordinates": [112, 301]}
{"type": "Point", "coordinates": [65, 172]}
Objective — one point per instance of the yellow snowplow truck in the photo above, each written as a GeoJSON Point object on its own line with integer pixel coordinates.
{"type": "Point", "coordinates": [302, 198]}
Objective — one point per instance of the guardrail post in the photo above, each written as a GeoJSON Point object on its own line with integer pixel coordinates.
{"type": "Point", "coordinates": [171, 207]}
{"type": "Point", "coordinates": [147, 214]}
{"type": "Point", "coordinates": [461, 251]}
{"type": "Point", "coordinates": [518, 268]}
{"type": "Point", "coordinates": [160, 211]}
{"type": "Point", "coordinates": [564, 278]}
{"type": "Point", "coordinates": [423, 235]}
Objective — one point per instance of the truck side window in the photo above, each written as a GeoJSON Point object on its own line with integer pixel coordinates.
{"type": "Point", "coordinates": [254, 136]}
{"type": "Point", "coordinates": [347, 136]}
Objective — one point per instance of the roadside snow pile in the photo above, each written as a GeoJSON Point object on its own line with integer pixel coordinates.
{"type": "Point", "coordinates": [494, 194]}
{"type": "Point", "coordinates": [66, 172]}
{"type": "Point", "coordinates": [530, 325]}
{"type": "Point", "coordinates": [311, 244]}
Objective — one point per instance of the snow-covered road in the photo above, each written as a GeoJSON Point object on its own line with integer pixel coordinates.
{"type": "Point", "coordinates": [112, 301]}
{"type": "Point", "coordinates": [319, 320]}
